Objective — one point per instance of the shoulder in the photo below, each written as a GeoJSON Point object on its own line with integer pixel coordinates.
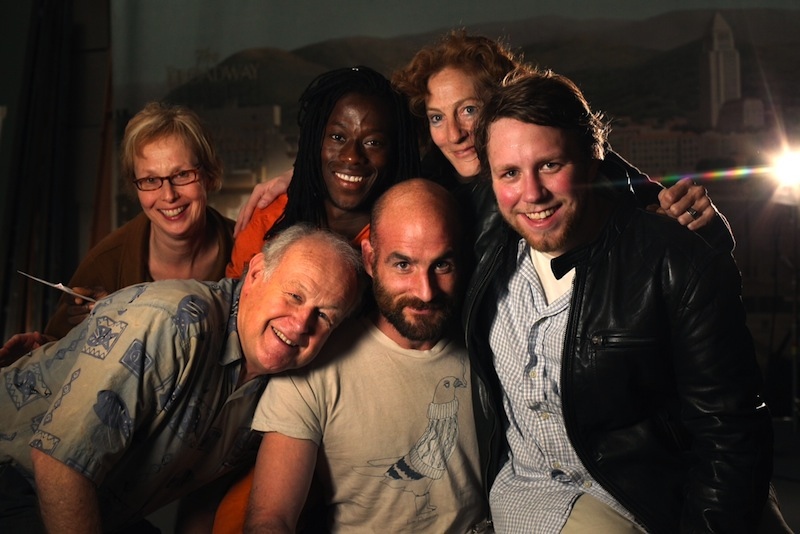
{"type": "Point", "coordinates": [648, 242]}
{"type": "Point", "coordinates": [119, 259]}
{"type": "Point", "coordinates": [223, 228]}
{"type": "Point", "coordinates": [654, 232]}
{"type": "Point", "coordinates": [132, 232]}
{"type": "Point", "coordinates": [266, 218]}
{"type": "Point", "coordinates": [345, 343]}
{"type": "Point", "coordinates": [220, 222]}
{"type": "Point", "coordinates": [261, 221]}
{"type": "Point", "coordinates": [178, 302]}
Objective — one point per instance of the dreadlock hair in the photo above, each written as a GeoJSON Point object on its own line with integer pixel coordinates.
{"type": "Point", "coordinates": [307, 191]}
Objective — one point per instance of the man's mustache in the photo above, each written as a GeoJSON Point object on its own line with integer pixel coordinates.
{"type": "Point", "coordinates": [438, 303]}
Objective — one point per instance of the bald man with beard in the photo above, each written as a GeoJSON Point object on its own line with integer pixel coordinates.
{"type": "Point", "coordinates": [385, 415]}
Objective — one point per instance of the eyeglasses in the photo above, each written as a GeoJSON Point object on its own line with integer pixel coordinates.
{"type": "Point", "coordinates": [153, 183]}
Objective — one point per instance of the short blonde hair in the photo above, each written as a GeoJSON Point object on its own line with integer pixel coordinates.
{"type": "Point", "coordinates": [158, 120]}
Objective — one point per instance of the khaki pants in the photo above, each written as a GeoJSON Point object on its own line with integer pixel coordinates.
{"type": "Point", "coordinates": [592, 516]}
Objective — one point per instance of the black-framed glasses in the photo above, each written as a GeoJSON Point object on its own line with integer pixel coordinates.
{"type": "Point", "coordinates": [153, 183]}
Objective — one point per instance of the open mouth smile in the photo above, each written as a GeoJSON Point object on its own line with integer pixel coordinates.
{"type": "Point", "coordinates": [174, 212]}
{"type": "Point", "coordinates": [283, 337]}
{"type": "Point", "coordinates": [540, 215]}
{"type": "Point", "coordinates": [353, 179]}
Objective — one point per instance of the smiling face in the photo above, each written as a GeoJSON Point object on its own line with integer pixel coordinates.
{"type": "Point", "coordinates": [175, 212]}
{"type": "Point", "coordinates": [541, 179]}
{"type": "Point", "coordinates": [356, 150]}
{"type": "Point", "coordinates": [452, 107]}
{"type": "Point", "coordinates": [285, 318]}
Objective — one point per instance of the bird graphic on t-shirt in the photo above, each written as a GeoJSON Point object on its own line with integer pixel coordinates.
{"type": "Point", "coordinates": [427, 460]}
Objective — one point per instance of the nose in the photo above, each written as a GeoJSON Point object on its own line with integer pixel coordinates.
{"type": "Point", "coordinates": [426, 286]}
{"type": "Point", "coordinates": [456, 131]}
{"type": "Point", "coordinates": [305, 318]}
{"type": "Point", "coordinates": [168, 191]}
{"type": "Point", "coordinates": [533, 189]}
{"type": "Point", "coordinates": [351, 152]}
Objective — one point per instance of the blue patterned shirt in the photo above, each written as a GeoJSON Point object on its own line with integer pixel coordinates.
{"type": "Point", "coordinates": [536, 488]}
{"type": "Point", "coordinates": [140, 398]}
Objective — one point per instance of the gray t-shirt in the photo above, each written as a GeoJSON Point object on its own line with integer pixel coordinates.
{"type": "Point", "coordinates": [398, 451]}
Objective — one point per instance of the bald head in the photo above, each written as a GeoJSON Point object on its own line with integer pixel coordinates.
{"type": "Point", "coordinates": [413, 257]}
{"type": "Point", "coordinates": [417, 201]}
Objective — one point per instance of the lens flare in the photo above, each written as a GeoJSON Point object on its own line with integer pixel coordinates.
{"type": "Point", "coordinates": [737, 173]}
{"type": "Point", "coordinates": [786, 169]}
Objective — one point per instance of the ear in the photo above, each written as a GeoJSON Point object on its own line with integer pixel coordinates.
{"type": "Point", "coordinates": [367, 255]}
{"type": "Point", "coordinates": [255, 268]}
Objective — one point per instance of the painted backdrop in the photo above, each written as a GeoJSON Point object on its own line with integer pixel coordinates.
{"type": "Point", "coordinates": [652, 67]}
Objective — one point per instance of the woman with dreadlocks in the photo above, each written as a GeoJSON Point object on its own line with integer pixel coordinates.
{"type": "Point", "coordinates": [356, 140]}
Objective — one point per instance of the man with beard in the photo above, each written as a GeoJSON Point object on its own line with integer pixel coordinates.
{"type": "Point", "coordinates": [626, 372]}
{"type": "Point", "coordinates": [386, 415]}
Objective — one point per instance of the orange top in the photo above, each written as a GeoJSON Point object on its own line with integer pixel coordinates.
{"type": "Point", "coordinates": [231, 512]}
{"type": "Point", "coordinates": [250, 240]}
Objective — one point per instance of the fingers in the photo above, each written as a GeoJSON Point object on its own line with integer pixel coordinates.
{"type": "Point", "coordinates": [274, 188]}
{"type": "Point", "coordinates": [655, 208]}
{"type": "Point", "coordinates": [703, 218]}
{"type": "Point", "coordinates": [19, 345]}
{"type": "Point", "coordinates": [676, 198]}
{"type": "Point", "coordinates": [262, 196]}
{"type": "Point", "coordinates": [81, 308]}
{"type": "Point", "coordinates": [99, 293]}
{"type": "Point", "coordinates": [77, 313]}
{"type": "Point", "coordinates": [94, 293]}
{"type": "Point", "coordinates": [245, 214]}
{"type": "Point", "coordinates": [688, 203]}
{"type": "Point", "coordinates": [246, 211]}
{"type": "Point", "coordinates": [90, 292]}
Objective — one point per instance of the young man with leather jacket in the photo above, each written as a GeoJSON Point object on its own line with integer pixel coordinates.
{"type": "Point", "coordinates": [613, 338]}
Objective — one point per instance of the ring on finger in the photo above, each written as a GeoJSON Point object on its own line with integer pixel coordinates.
{"type": "Point", "coordinates": [693, 213]}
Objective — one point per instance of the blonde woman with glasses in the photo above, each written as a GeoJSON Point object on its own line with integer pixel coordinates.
{"type": "Point", "coordinates": [171, 166]}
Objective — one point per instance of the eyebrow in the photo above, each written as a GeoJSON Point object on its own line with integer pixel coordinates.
{"type": "Point", "coordinates": [457, 103]}
{"type": "Point", "coordinates": [501, 168]}
{"type": "Point", "coordinates": [383, 130]}
{"type": "Point", "coordinates": [151, 173]}
{"type": "Point", "coordinates": [449, 254]}
{"type": "Point", "coordinates": [397, 256]}
{"type": "Point", "coordinates": [296, 286]}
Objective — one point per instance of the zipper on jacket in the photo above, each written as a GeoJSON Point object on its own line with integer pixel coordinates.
{"type": "Point", "coordinates": [620, 340]}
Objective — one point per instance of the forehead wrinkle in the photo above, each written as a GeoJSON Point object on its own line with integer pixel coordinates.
{"type": "Point", "coordinates": [448, 254]}
{"type": "Point", "coordinates": [399, 256]}
{"type": "Point", "coordinates": [150, 170]}
{"type": "Point", "coordinates": [456, 104]}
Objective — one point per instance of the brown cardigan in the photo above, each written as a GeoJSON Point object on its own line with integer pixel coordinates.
{"type": "Point", "coordinates": [120, 260]}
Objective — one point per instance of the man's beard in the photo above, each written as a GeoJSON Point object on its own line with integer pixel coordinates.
{"type": "Point", "coordinates": [430, 328]}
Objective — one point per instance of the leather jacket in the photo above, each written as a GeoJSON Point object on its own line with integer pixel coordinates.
{"type": "Point", "coordinates": [660, 386]}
